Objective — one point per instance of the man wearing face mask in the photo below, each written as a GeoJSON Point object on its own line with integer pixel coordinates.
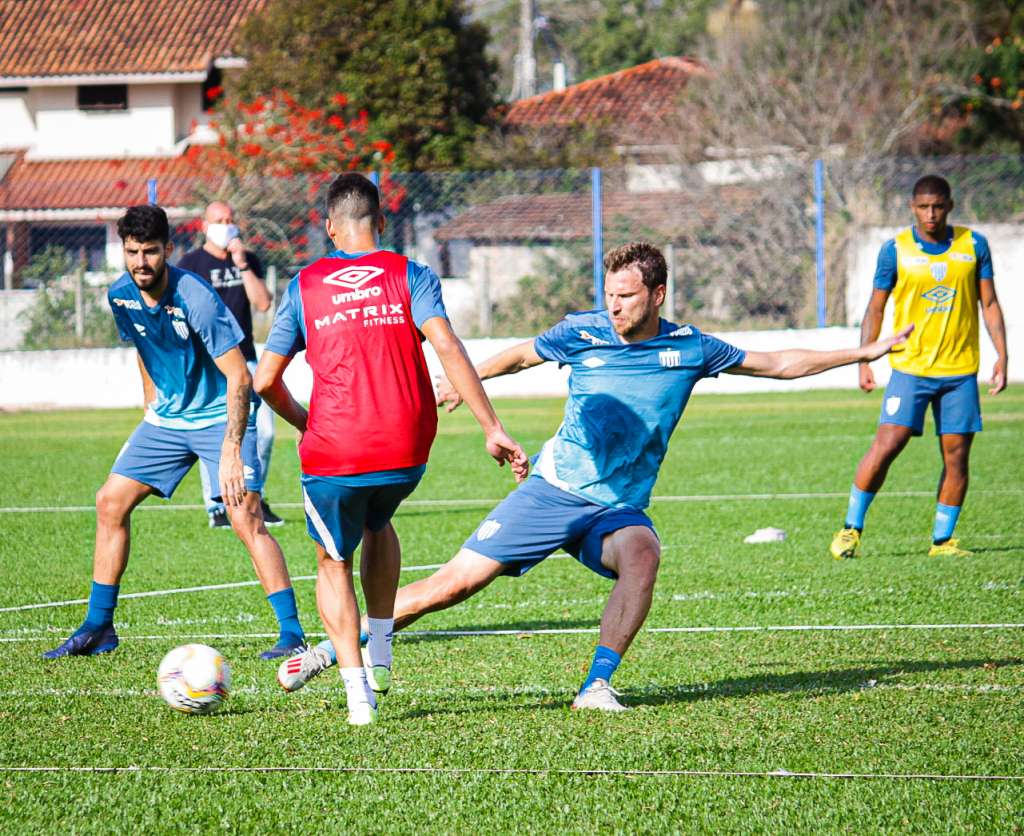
{"type": "Point", "coordinates": [237, 276]}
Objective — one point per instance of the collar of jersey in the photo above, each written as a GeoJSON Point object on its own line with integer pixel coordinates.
{"type": "Point", "coordinates": [343, 254]}
{"type": "Point", "coordinates": [934, 248]}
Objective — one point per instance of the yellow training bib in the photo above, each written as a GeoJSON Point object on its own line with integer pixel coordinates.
{"type": "Point", "coordinates": [939, 294]}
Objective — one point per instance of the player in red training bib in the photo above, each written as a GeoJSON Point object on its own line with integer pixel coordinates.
{"type": "Point", "coordinates": [361, 313]}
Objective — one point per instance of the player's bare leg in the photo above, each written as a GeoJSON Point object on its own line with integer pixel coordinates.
{"type": "Point", "coordinates": [114, 504]}
{"type": "Point", "coordinates": [271, 570]}
{"type": "Point", "coordinates": [952, 490]}
{"type": "Point", "coordinates": [460, 578]}
{"type": "Point", "coordinates": [890, 439]}
{"type": "Point", "coordinates": [339, 612]}
{"type": "Point", "coordinates": [380, 563]}
{"type": "Point", "coordinates": [633, 553]}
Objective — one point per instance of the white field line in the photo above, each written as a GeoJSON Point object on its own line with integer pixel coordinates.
{"type": "Point", "coordinates": [564, 631]}
{"type": "Point", "coordinates": [539, 771]}
{"type": "Point", "coordinates": [441, 503]}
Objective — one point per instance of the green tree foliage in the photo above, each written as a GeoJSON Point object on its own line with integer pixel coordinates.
{"type": "Point", "coordinates": [50, 321]}
{"type": "Point", "coordinates": [418, 65]}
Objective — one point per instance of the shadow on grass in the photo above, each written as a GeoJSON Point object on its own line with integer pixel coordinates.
{"type": "Point", "coordinates": [444, 633]}
{"type": "Point", "coordinates": [976, 550]}
{"type": "Point", "coordinates": [811, 682]}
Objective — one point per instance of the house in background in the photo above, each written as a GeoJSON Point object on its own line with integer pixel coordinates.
{"type": "Point", "coordinates": [98, 103]}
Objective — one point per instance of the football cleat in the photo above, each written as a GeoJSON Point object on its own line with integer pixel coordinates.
{"type": "Point", "coordinates": [600, 695]}
{"type": "Point", "coordinates": [951, 548]}
{"type": "Point", "coordinates": [846, 544]}
{"type": "Point", "coordinates": [363, 714]}
{"type": "Point", "coordinates": [86, 643]}
{"type": "Point", "coordinates": [270, 519]}
{"type": "Point", "coordinates": [295, 672]}
{"type": "Point", "coordinates": [377, 676]}
{"type": "Point", "coordinates": [286, 645]}
{"type": "Point", "coordinates": [219, 519]}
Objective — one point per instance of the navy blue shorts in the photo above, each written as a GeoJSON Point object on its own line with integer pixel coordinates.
{"type": "Point", "coordinates": [955, 404]}
{"type": "Point", "coordinates": [537, 519]}
{"type": "Point", "coordinates": [337, 511]}
{"type": "Point", "coordinates": [160, 457]}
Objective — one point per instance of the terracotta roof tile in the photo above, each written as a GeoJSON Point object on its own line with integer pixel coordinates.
{"type": "Point", "coordinates": [82, 37]}
{"type": "Point", "coordinates": [95, 184]}
{"type": "Point", "coordinates": [564, 217]}
{"type": "Point", "coordinates": [633, 102]}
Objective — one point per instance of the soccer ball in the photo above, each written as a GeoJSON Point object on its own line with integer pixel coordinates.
{"type": "Point", "coordinates": [194, 679]}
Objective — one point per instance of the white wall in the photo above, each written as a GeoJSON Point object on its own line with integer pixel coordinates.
{"type": "Point", "coordinates": [146, 128]}
{"type": "Point", "coordinates": [110, 378]}
{"type": "Point", "coordinates": [1007, 244]}
{"type": "Point", "coordinates": [12, 304]}
{"type": "Point", "coordinates": [19, 130]}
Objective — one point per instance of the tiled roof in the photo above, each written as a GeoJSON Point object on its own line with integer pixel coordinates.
{"type": "Point", "coordinates": [567, 216]}
{"type": "Point", "coordinates": [633, 102]}
{"type": "Point", "coordinates": [95, 184]}
{"type": "Point", "coordinates": [84, 37]}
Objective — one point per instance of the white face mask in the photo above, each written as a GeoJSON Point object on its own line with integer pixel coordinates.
{"type": "Point", "coordinates": [220, 235]}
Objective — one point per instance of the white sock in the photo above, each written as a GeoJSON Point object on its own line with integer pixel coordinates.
{"type": "Point", "coordinates": [378, 645]}
{"type": "Point", "coordinates": [357, 689]}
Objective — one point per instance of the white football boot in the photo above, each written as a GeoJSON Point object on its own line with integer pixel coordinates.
{"type": "Point", "coordinates": [362, 714]}
{"type": "Point", "coordinates": [600, 695]}
{"type": "Point", "coordinates": [295, 671]}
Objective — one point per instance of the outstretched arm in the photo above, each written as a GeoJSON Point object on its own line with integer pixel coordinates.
{"type": "Point", "coordinates": [798, 362]}
{"type": "Point", "coordinates": [466, 382]}
{"type": "Point", "coordinates": [511, 360]}
{"type": "Point", "coordinates": [232, 478]}
{"type": "Point", "coordinates": [993, 316]}
{"type": "Point", "coordinates": [270, 386]}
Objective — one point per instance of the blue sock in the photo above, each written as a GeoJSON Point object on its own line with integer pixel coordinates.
{"type": "Point", "coordinates": [945, 521]}
{"type": "Point", "coordinates": [102, 602]}
{"type": "Point", "coordinates": [328, 648]}
{"type": "Point", "coordinates": [283, 602]}
{"type": "Point", "coordinates": [860, 501]}
{"type": "Point", "coordinates": [605, 662]}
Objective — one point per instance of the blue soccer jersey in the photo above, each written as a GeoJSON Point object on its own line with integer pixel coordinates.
{"type": "Point", "coordinates": [625, 400]}
{"type": "Point", "coordinates": [177, 340]}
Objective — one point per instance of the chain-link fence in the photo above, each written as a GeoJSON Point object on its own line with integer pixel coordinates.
{"type": "Point", "coordinates": [516, 249]}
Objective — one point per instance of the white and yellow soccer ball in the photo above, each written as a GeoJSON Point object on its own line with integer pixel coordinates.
{"type": "Point", "coordinates": [194, 678]}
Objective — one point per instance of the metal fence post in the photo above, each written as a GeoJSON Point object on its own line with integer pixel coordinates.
{"type": "Point", "coordinates": [80, 296]}
{"type": "Point", "coordinates": [151, 192]}
{"type": "Point", "coordinates": [598, 236]}
{"type": "Point", "coordinates": [819, 237]}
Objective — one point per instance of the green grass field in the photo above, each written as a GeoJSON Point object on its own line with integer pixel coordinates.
{"type": "Point", "coordinates": [477, 734]}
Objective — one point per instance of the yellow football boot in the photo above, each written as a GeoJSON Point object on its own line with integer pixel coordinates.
{"type": "Point", "coordinates": [846, 544]}
{"type": "Point", "coordinates": [951, 548]}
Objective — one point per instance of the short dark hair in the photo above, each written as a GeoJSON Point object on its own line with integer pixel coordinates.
{"type": "Point", "coordinates": [354, 197]}
{"type": "Point", "coordinates": [933, 184]}
{"type": "Point", "coordinates": [144, 223]}
{"type": "Point", "coordinates": [644, 256]}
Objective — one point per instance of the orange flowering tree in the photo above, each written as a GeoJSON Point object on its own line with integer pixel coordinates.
{"type": "Point", "coordinates": [272, 160]}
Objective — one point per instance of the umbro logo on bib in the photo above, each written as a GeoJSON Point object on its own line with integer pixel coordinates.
{"type": "Point", "coordinates": [353, 277]}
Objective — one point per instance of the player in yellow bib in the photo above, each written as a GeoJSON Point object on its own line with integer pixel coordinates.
{"type": "Point", "coordinates": [936, 274]}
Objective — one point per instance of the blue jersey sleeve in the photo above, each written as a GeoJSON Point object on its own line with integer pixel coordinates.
{"type": "Point", "coordinates": [288, 335]}
{"type": "Point", "coordinates": [885, 270]}
{"type": "Point", "coordinates": [208, 316]}
{"type": "Point", "coordinates": [719, 355]}
{"type": "Point", "coordinates": [425, 290]}
{"type": "Point", "coordinates": [553, 343]}
{"type": "Point", "coordinates": [984, 256]}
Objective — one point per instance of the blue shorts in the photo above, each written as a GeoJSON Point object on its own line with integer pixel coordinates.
{"type": "Point", "coordinates": [956, 406]}
{"type": "Point", "coordinates": [537, 519]}
{"type": "Point", "coordinates": [160, 457]}
{"type": "Point", "coordinates": [338, 508]}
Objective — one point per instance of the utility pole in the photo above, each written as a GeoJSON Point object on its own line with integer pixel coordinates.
{"type": "Point", "coordinates": [525, 81]}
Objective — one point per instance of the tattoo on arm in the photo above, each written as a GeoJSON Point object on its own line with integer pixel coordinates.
{"type": "Point", "coordinates": [238, 413]}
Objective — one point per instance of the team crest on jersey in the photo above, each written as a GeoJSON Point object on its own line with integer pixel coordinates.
{"type": "Point", "coordinates": [939, 270]}
{"type": "Point", "coordinates": [939, 294]}
{"type": "Point", "coordinates": [487, 529]}
{"type": "Point", "coordinates": [892, 405]}
{"type": "Point", "coordinates": [670, 359]}
{"type": "Point", "coordinates": [353, 277]}
{"type": "Point", "coordinates": [181, 328]}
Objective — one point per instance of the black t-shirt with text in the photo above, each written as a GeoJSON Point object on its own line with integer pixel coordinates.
{"type": "Point", "coordinates": [227, 281]}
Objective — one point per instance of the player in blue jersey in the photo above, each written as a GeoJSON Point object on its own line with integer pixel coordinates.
{"type": "Point", "coordinates": [197, 389]}
{"type": "Point", "coordinates": [632, 374]}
